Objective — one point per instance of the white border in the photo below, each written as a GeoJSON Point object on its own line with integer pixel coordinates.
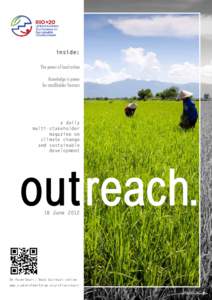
{"type": "Point", "coordinates": [200, 148]}
{"type": "Point", "coordinates": [167, 13]}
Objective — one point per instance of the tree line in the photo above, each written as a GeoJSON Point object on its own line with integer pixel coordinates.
{"type": "Point", "coordinates": [145, 94]}
{"type": "Point", "coordinates": [169, 93]}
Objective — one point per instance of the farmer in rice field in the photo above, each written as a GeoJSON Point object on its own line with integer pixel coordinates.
{"type": "Point", "coordinates": [130, 109]}
{"type": "Point", "coordinates": [190, 115]}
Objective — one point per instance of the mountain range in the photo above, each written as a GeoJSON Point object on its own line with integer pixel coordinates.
{"type": "Point", "coordinates": [130, 87]}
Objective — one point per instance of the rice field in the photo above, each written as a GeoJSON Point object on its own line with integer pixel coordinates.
{"type": "Point", "coordinates": [142, 245]}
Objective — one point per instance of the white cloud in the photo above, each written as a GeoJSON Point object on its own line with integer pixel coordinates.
{"type": "Point", "coordinates": [101, 72]}
{"type": "Point", "coordinates": [206, 73]}
{"type": "Point", "coordinates": [183, 73]}
{"type": "Point", "coordinates": [137, 56]}
{"type": "Point", "coordinates": [137, 65]}
{"type": "Point", "coordinates": [141, 64]}
{"type": "Point", "coordinates": [163, 25]}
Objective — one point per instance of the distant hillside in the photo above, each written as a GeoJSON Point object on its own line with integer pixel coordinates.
{"type": "Point", "coordinates": [130, 87]}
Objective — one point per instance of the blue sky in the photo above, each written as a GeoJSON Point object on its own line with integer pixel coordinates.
{"type": "Point", "coordinates": [161, 47]}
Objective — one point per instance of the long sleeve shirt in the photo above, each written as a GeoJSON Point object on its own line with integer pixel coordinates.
{"type": "Point", "coordinates": [189, 109]}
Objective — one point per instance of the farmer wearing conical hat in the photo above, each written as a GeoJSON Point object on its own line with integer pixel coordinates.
{"type": "Point", "coordinates": [130, 109]}
{"type": "Point", "coordinates": [190, 115]}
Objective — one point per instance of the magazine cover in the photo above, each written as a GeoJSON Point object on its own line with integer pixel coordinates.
{"type": "Point", "coordinates": [106, 150]}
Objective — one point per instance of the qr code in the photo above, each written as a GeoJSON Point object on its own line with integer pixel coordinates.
{"type": "Point", "coordinates": [23, 261]}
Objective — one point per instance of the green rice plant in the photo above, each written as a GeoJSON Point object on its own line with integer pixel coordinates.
{"type": "Point", "coordinates": [142, 245]}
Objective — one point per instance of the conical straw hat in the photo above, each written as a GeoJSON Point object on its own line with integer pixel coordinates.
{"type": "Point", "coordinates": [184, 94]}
{"type": "Point", "coordinates": [132, 105]}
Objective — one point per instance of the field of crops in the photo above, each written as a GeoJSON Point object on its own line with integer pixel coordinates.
{"type": "Point", "coordinates": [141, 246]}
